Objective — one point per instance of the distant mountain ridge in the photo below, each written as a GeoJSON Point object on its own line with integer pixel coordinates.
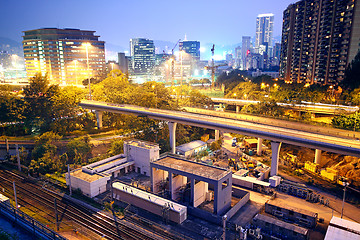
{"type": "Point", "coordinates": [11, 46]}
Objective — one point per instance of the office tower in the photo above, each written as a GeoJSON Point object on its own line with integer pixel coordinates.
{"type": "Point", "coordinates": [67, 55]}
{"type": "Point", "coordinates": [319, 39]}
{"type": "Point", "coordinates": [264, 33]}
{"type": "Point", "coordinates": [123, 62]}
{"type": "Point", "coordinates": [246, 46]}
{"type": "Point", "coordinates": [238, 54]}
{"type": "Point", "coordinates": [142, 53]}
{"type": "Point", "coordinates": [192, 48]}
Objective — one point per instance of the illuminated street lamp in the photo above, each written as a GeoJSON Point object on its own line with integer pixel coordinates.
{"type": "Point", "coordinates": [345, 184]}
{"type": "Point", "coordinates": [235, 95]}
{"type": "Point", "coordinates": [87, 45]}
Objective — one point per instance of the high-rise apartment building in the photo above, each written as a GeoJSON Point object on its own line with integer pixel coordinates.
{"type": "Point", "coordinates": [142, 53]}
{"type": "Point", "coordinates": [245, 49]}
{"type": "Point", "coordinates": [68, 56]}
{"type": "Point", "coordinates": [264, 33]}
{"type": "Point", "coordinates": [319, 39]}
{"type": "Point", "coordinates": [123, 62]}
{"type": "Point", "coordinates": [192, 48]}
{"type": "Point", "coordinates": [238, 54]}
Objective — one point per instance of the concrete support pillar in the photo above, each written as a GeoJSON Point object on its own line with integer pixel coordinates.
{"type": "Point", "coordinates": [217, 135]}
{"type": "Point", "coordinates": [99, 118]}
{"type": "Point", "coordinates": [275, 150]}
{"type": "Point", "coordinates": [192, 186]}
{"type": "Point", "coordinates": [259, 147]}
{"type": "Point", "coordinates": [216, 197]}
{"type": "Point", "coordinates": [317, 156]}
{"type": "Point", "coordinates": [172, 131]}
{"type": "Point", "coordinates": [171, 190]}
{"type": "Point", "coordinates": [237, 108]}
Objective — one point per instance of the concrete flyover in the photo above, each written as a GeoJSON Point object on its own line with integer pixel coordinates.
{"type": "Point", "coordinates": [276, 134]}
{"type": "Point", "coordinates": [321, 108]}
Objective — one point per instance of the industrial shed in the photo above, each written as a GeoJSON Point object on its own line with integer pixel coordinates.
{"type": "Point", "coordinates": [150, 202]}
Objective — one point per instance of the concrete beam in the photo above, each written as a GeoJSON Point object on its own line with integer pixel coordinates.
{"type": "Point", "coordinates": [172, 131]}
{"type": "Point", "coordinates": [275, 150]}
{"type": "Point", "coordinates": [317, 156]}
{"type": "Point", "coordinates": [259, 147]}
{"type": "Point", "coordinates": [99, 118]}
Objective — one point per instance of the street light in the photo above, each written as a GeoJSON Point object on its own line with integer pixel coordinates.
{"type": "Point", "coordinates": [235, 95]}
{"type": "Point", "coordinates": [87, 45]}
{"type": "Point", "coordinates": [345, 184]}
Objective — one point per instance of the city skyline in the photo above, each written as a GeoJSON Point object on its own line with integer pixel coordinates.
{"type": "Point", "coordinates": [207, 22]}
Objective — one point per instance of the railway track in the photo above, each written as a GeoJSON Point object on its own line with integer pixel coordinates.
{"type": "Point", "coordinates": [98, 223]}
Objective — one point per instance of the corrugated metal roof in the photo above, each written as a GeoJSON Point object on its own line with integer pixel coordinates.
{"type": "Point", "coordinates": [342, 229]}
{"type": "Point", "coordinates": [190, 146]}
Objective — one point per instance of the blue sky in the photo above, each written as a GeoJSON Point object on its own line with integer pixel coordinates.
{"type": "Point", "coordinates": [222, 22]}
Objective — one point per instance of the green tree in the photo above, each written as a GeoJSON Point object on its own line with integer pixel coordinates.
{"type": "Point", "coordinates": [44, 156]}
{"type": "Point", "coordinates": [78, 150]}
{"type": "Point", "coordinates": [116, 147]}
{"type": "Point", "coordinates": [39, 97]}
{"type": "Point", "coordinates": [11, 106]}
{"type": "Point", "coordinates": [68, 115]}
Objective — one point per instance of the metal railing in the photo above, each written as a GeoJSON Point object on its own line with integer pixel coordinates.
{"type": "Point", "coordinates": [34, 226]}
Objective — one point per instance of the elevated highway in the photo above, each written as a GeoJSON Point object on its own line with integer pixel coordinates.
{"type": "Point", "coordinates": [320, 108]}
{"type": "Point", "coordinates": [277, 134]}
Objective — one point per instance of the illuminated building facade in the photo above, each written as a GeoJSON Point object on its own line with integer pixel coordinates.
{"type": "Point", "coordinates": [68, 56]}
{"type": "Point", "coordinates": [264, 33]}
{"type": "Point", "coordinates": [192, 48]}
{"type": "Point", "coordinates": [319, 39]}
{"type": "Point", "coordinates": [142, 53]}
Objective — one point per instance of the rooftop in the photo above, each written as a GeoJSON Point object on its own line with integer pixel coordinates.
{"type": "Point", "coordinates": [191, 145]}
{"type": "Point", "coordinates": [85, 176]}
{"type": "Point", "coordinates": [197, 169]}
{"type": "Point", "coordinates": [143, 144]}
{"type": "Point", "coordinates": [342, 229]}
{"type": "Point", "coordinates": [284, 204]}
{"type": "Point", "coordinates": [149, 197]}
{"type": "Point", "coordinates": [282, 224]}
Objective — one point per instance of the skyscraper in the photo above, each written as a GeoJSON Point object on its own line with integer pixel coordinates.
{"type": "Point", "coordinates": [68, 55]}
{"type": "Point", "coordinates": [142, 53]}
{"type": "Point", "coordinates": [264, 33]}
{"type": "Point", "coordinates": [192, 48]}
{"type": "Point", "coordinates": [123, 62]}
{"type": "Point", "coordinates": [246, 45]}
{"type": "Point", "coordinates": [319, 39]}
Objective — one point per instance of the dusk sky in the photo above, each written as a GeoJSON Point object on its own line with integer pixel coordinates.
{"type": "Point", "coordinates": [116, 21]}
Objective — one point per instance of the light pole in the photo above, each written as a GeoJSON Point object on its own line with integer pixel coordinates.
{"type": "Point", "coordinates": [345, 184]}
{"type": "Point", "coordinates": [87, 45]}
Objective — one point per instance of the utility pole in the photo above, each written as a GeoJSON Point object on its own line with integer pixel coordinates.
{"type": "Point", "coordinates": [7, 146]}
{"type": "Point", "coordinates": [345, 184]}
{"type": "Point", "coordinates": [16, 204]}
{"type": "Point", "coordinates": [56, 216]}
{"type": "Point", "coordinates": [69, 179]}
{"type": "Point", "coordinates": [18, 157]}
